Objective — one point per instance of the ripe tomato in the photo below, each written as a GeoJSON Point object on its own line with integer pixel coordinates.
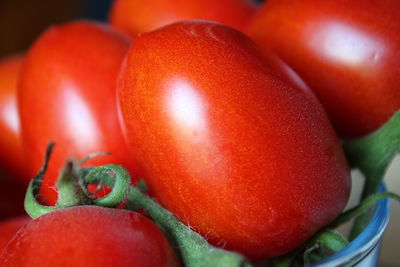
{"type": "Point", "coordinates": [347, 51]}
{"type": "Point", "coordinates": [89, 236]}
{"type": "Point", "coordinates": [9, 227]}
{"type": "Point", "coordinates": [229, 148]}
{"type": "Point", "coordinates": [11, 156]}
{"type": "Point", "coordinates": [136, 16]}
{"type": "Point", "coordinates": [67, 94]}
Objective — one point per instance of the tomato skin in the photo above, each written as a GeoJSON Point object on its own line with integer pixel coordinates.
{"type": "Point", "coordinates": [346, 51]}
{"type": "Point", "coordinates": [89, 236]}
{"type": "Point", "coordinates": [9, 227]}
{"type": "Point", "coordinates": [137, 16]}
{"type": "Point", "coordinates": [67, 94]}
{"type": "Point", "coordinates": [11, 156]}
{"type": "Point", "coordinates": [230, 149]}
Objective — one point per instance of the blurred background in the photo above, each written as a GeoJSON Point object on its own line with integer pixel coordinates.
{"type": "Point", "coordinates": [21, 21]}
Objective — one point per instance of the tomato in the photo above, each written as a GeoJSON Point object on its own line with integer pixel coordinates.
{"type": "Point", "coordinates": [89, 236]}
{"type": "Point", "coordinates": [11, 157]}
{"type": "Point", "coordinates": [10, 227]}
{"type": "Point", "coordinates": [346, 51]}
{"type": "Point", "coordinates": [230, 148]}
{"type": "Point", "coordinates": [136, 16]}
{"type": "Point", "coordinates": [12, 165]}
{"type": "Point", "coordinates": [67, 94]}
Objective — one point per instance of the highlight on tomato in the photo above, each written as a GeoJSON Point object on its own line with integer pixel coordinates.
{"type": "Point", "coordinates": [89, 236]}
{"type": "Point", "coordinates": [67, 94]}
{"type": "Point", "coordinates": [346, 51]}
{"type": "Point", "coordinates": [11, 156]}
{"type": "Point", "coordinates": [136, 16]}
{"type": "Point", "coordinates": [229, 146]}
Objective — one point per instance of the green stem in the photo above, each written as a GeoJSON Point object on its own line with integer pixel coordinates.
{"type": "Point", "coordinates": [32, 206]}
{"type": "Point", "coordinates": [372, 154]}
{"type": "Point", "coordinates": [322, 245]}
{"type": "Point", "coordinates": [70, 193]}
{"type": "Point", "coordinates": [362, 208]}
{"type": "Point", "coordinates": [116, 177]}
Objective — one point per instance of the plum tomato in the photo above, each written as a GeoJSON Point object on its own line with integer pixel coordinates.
{"type": "Point", "coordinates": [89, 236]}
{"type": "Point", "coordinates": [346, 51]}
{"type": "Point", "coordinates": [137, 16]}
{"type": "Point", "coordinates": [67, 94]}
{"type": "Point", "coordinates": [231, 149]}
{"type": "Point", "coordinates": [11, 156]}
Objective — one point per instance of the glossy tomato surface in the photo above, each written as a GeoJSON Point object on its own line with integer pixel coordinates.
{"type": "Point", "coordinates": [89, 236]}
{"type": "Point", "coordinates": [346, 51]}
{"type": "Point", "coordinates": [233, 151]}
{"type": "Point", "coordinates": [10, 227]}
{"type": "Point", "coordinates": [11, 156]}
{"type": "Point", "coordinates": [67, 94]}
{"type": "Point", "coordinates": [137, 16]}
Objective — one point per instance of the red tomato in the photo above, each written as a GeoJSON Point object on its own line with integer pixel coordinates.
{"type": "Point", "coordinates": [9, 228]}
{"type": "Point", "coordinates": [89, 236]}
{"type": "Point", "coordinates": [347, 51]}
{"type": "Point", "coordinates": [229, 148]}
{"type": "Point", "coordinates": [11, 156]}
{"type": "Point", "coordinates": [67, 94]}
{"type": "Point", "coordinates": [136, 16]}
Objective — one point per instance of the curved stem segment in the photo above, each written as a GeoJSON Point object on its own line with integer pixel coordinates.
{"type": "Point", "coordinates": [321, 245]}
{"type": "Point", "coordinates": [116, 177]}
{"type": "Point", "coordinates": [32, 206]}
{"type": "Point", "coordinates": [362, 208]}
{"type": "Point", "coordinates": [372, 155]}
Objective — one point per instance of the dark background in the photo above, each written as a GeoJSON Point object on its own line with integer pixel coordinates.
{"type": "Point", "coordinates": [21, 21]}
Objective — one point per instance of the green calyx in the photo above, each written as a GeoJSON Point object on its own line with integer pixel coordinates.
{"type": "Point", "coordinates": [72, 188]}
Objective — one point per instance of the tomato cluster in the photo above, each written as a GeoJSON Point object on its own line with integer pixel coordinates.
{"type": "Point", "coordinates": [226, 135]}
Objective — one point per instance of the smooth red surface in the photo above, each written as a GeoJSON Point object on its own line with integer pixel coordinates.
{"type": "Point", "coordinates": [347, 51]}
{"type": "Point", "coordinates": [67, 94]}
{"type": "Point", "coordinates": [89, 236]}
{"type": "Point", "coordinates": [9, 228]}
{"type": "Point", "coordinates": [11, 156]}
{"type": "Point", "coordinates": [137, 16]}
{"type": "Point", "coordinates": [246, 160]}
